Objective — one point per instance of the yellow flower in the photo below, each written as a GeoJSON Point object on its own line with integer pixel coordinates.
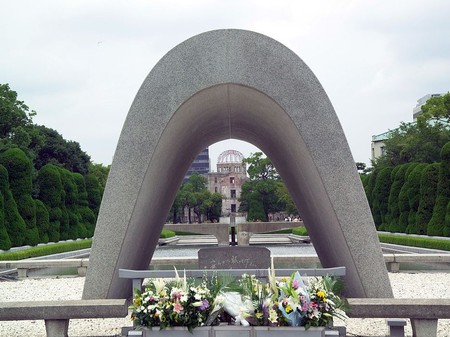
{"type": "Point", "coordinates": [288, 309]}
{"type": "Point", "coordinates": [321, 294]}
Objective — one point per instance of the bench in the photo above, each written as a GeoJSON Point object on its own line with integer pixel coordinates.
{"type": "Point", "coordinates": [424, 313]}
{"type": "Point", "coordinates": [58, 313]}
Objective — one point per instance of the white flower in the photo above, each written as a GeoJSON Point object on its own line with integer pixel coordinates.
{"type": "Point", "coordinates": [159, 286]}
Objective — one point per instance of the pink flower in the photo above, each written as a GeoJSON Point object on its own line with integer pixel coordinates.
{"type": "Point", "coordinates": [177, 307]}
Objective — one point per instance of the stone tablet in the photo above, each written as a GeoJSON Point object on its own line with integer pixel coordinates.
{"type": "Point", "coordinates": [234, 258]}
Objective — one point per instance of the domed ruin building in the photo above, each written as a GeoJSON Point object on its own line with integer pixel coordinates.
{"type": "Point", "coordinates": [231, 174]}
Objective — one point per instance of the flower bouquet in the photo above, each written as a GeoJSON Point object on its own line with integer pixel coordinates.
{"type": "Point", "coordinates": [171, 303]}
{"type": "Point", "coordinates": [244, 301]}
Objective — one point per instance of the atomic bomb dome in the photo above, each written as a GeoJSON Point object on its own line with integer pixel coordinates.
{"type": "Point", "coordinates": [231, 174]}
{"type": "Point", "coordinates": [230, 156]}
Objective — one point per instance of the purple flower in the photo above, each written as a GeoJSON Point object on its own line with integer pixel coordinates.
{"type": "Point", "coordinates": [205, 305]}
{"type": "Point", "coordinates": [295, 284]}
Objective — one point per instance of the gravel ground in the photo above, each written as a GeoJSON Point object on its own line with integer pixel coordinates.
{"type": "Point", "coordinates": [420, 285]}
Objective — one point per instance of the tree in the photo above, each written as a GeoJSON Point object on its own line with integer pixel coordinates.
{"type": "Point", "coordinates": [414, 142]}
{"type": "Point", "coordinates": [285, 200]}
{"type": "Point", "coordinates": [212, 207]}
{"type": "Point", "coordinates": [262, 195]}
{"type": "Point", "coordinates": [51, 148]}
{"type": "Point", "coordinates": [436, 109]}
{"type": "Point", "coordinates": [260, 168]}
{"type": "Point", "coordinates": [187, 199]}
{"type": "Point", "coordinates": [14, 113]}
{"type": "Point", "coordinates": [192, 194]}
{"type": "Point", "coordinates": [101, 172]}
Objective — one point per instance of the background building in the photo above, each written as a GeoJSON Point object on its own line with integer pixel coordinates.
{"type": "Point", "coordinates": [377, 145]}
{"type": "Point", "coordinates": [231, 174]}
{"type": "Point", "coordinates": [199, 165]}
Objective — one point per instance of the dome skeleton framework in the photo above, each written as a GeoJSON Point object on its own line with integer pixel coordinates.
{"type": "Point", "coordinates": [230, 156]}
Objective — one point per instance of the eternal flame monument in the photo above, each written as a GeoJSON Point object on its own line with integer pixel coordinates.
{"type": "Point", "coordinates": [233, 84]}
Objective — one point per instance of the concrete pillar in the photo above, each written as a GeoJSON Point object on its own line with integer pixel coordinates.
{"type": "Point", "coordinates": [82, 271]}
{"type": "Point", "coordinates": [57, 327]}
{"type": "Point", "coordinates": [22, 273]}
{"type": "Point", "coordinates": [396, 327]}
{"type": "Point", "coordinates": [424, 327]}
{"type": "Point", "coordinates": [393, 267]}
{"type": "Point", "coordinates": [243, 238]}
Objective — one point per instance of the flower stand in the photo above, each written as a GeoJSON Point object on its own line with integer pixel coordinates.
{"type": "Point", "coordinates": [230, 331]}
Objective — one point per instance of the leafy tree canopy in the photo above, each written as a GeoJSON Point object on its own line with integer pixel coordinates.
{"type": "Point", "coordinates": [41, 144]}
{"type": "Point", "coordinates": [14, 113]}
{"type": "Point", "coordinates": [260, 168]}
{"type": "Point", "coordinates": [420, 141]}
{"type": "Point", "coordinates": [437, 109]}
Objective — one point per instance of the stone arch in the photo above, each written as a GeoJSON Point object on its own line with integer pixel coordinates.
{"type": "Point", "coordinates": [233, 84]}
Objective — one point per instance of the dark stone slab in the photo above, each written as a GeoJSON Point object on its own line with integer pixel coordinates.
{"type": "Point", "coordinates": [234, 258]}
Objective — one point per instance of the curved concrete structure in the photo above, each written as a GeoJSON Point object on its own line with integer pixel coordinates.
{"type": "Point", "coordinates": [233, 84]}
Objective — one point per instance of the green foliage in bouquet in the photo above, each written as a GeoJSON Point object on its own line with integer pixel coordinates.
{"type": "Point", "coordinates": [244, 301]}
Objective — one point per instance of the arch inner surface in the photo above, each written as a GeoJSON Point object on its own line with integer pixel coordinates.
{"type": "Point", "coordinates": [233, 84]}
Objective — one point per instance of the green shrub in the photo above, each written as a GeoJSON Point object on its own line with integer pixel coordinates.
{"type": "Point", "coordinates": [398, 179]}
{"type": "Point", "coordinates": [166, 233]}
{"type": "Point", "coordinates": [20, 169]}
{"type": "Point", "coordinates": [380, 196]}
{"type": "Point", "coordinates": [42, 221]}
{"type": "Point", "coordinates": [369, 187]}
{"type": "Point", "coordinates": [46, 250]}
{"type": "Point", "coordinates": [413, 193]}
{"type": "Point", "coordinates": [15, 225]}
{"type": "Point", "coordinates": [431, 243]}
{"type": "Point", "coordinates": [428, 187]}
{"type": "Point", "coordinates": [93, 192]}
{"type": "Point", "coordinates": [302, 231]}
{"type": "Point", "coordinates": [81, 189]}
{"type": "Point", "coordinates": [51, 193]}
{"type": "Point", "coordinates": [5, 241]}
{"type": "Point", "coordinates": [437, 222]}
{"type": "Point", "coordinates": [403, 201]}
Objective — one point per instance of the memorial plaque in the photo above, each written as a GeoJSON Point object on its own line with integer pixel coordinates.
{"type": "Point", "coordinates": [234, 258]}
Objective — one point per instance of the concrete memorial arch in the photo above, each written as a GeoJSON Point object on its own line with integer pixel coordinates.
{"type": "Point", "coordinates": [233, 84]}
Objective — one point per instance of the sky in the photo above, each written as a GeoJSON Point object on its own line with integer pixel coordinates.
{"type": "Point", "coordinates": [79, 64]}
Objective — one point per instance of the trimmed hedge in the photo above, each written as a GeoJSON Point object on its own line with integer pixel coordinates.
{"type": "Point", "coordinates": [46, 250]}
{"type": "Point", "coordinates": [413, 241]}
{"type": "Point", "coordinates": [59, 248]}
{"type": "Point", "coordinates": [380, 197]}
{"type": "Point", "coordinates": [437, 225]}
{"type": "Point", "coordinates": [166, 233]}
{"type": "Point", "coordinates": [302, 231]}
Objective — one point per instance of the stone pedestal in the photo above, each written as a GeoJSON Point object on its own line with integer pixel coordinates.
{"type": "Point", "coordinates": [57, 327]}
{"type": "Point", "coordinates": [424, 327]}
